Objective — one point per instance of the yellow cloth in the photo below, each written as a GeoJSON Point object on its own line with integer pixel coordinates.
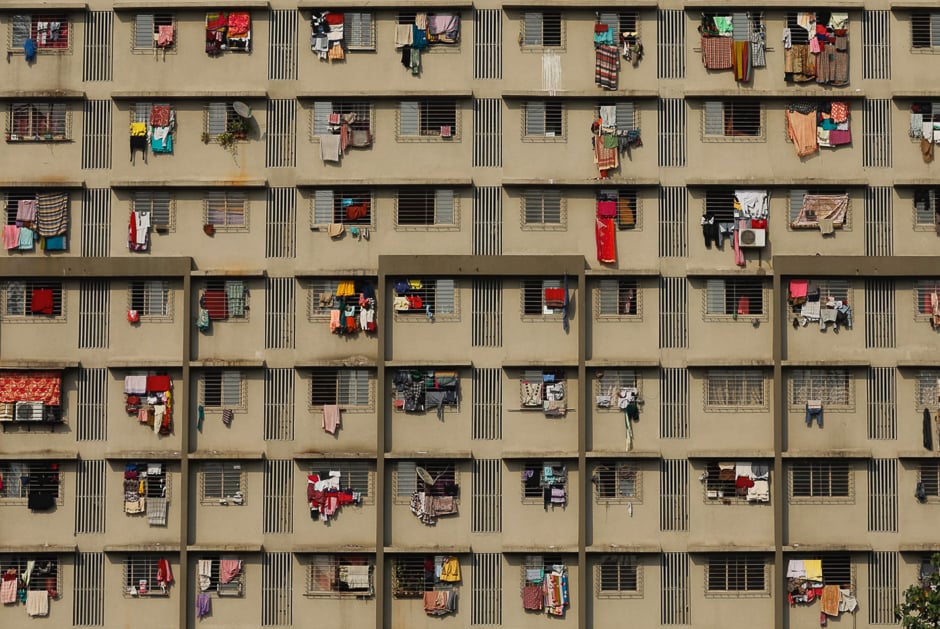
{"type": "Point", "coordinates": [813, 569]}
{"type": "Point", "coordinates": [346, 288]}
{"type": "Point", "coordinates": [415, 284]}
{"type": "Point", "coordinates": [138, 129]}
{"type": "Point", "coordinates": [450, 571]}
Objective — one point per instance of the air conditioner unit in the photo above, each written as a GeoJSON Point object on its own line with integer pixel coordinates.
{"type": "Point", "coordinates": [28, 411]}
{"type": "Point", "coordinates": [752, 237]}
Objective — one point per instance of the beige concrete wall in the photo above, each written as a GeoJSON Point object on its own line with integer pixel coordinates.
{"type": "Point", "coordinates": [128, 529]}
{"type": "Point", "coordinates": [803, 517]}
{"type": "Point", "coordinates": [844, 427]}
{"type": "Point", "coordinates": [35, 528]}
{"type": "Point", "coordinates": [610, 521]}
{"type": "Point", "coordinates": [213, 523]}
{"type": "Point", "coordinates": [643, 608]}
{"type": "Point", "coordinates": [525, 520]}
{"type": "Point", "coordinates": [234, 611]}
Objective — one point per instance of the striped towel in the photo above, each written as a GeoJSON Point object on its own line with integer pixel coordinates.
{"type": "Point", "coordinates": [156, 511]}
{"type": "Point", "coordinates": [52, 213]}
{"type": "Point", "coordinates": [606, 66]}
{"type": "Point", "coordinates": [716, 53]}
{"type": "Point", "coordinates": [334, 119]}
{"type": "Point", "coordinates": [227, 416]}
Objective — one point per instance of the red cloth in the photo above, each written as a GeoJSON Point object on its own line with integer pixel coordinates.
{"type": "Point", "coordinates": [334, 19]}
{"type": "Point", "coordinates": [532, 597]}
{"type": "Point", "coordinates": [606, 237]}
{"type": "Point", "coordinates": [31, 386]}
{"type": "Point", "coordinates": [164, 574]}
{"type": "Point", "coordinates": [555, 297]}
{"type": "Point", "coordinates": [606, 209]}
{"type": "Point", "coordinates": [744, 305]}
{"type": "Point", "coordinates": [41, 302]}
{"type": "Point", "coordinates": [743, 482]}
{"type": "Point", "coordinates": [415, 302]}
{"type": "Point", "coordinates": [218, 22]}
{"type": "Point", "coordinates": [758, 223]}
{"type": "Point", "coordinates": [158, 383]}
{"type": "Point", "coordinates": [601, 28]}
{"type": "Point", "coordinates": [216, 304]}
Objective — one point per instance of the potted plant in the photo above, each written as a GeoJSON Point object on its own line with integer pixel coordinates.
{"type": "Point", "coordinates": [238, 128]}
{"type": "Point", "coordinates": [225, 139]}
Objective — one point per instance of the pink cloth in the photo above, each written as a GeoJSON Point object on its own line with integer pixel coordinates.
{"type": "Point", "coordinates": [331, 418]}
{"type": "Point", "coordinates": [229, 569]}
{"type": "Point", "coordinates": [8, 592]}
{"type": "Point", "coordinates": [738, 251]}
{"type": "Point", "coordinates": [11, 236]}
{"type": "Point", "coordinates": [799, 288]}
{"type": "Point", "coordinates": [26, 210]}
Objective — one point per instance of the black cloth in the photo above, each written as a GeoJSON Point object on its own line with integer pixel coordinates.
{"type": "Point", "coordinates": [928, 433]}
{"type": "Point", "coordinates": [40, 501]}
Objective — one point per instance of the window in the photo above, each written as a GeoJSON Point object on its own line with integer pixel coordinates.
{"type": "Point", "coordinates": [50, 31]}
{"type": "Point", "coordinates": [159, 204]}
{"type": "Point", "coordinates": [420, 390]}
{"type": "Point", "coordinates": [925, 30]}
{"type": "Point", "coordinates": [225, 300]}
{"type": "Point", "coordinates": [425, 206]}
{"type": "Point", "coordinates": [831, 386]}
{"type": "Point", "coordinates": [212, 579]}
{"type": "Point", "coordinates": [542, 30]}
{"type": "Point", "coordinates": [728, 482]}
{"type": "Point", "coordinates": [38, 122]}
{"type": "Point", "coordinates": [736, 572]}
{"type": "Point", "coordinates": [226, 211]}
{"type": "Point", "coordinates": [733, 119]}
{"type": "Point", "coordinates": [31, 396]}
{"type": "Point", "coordinates": [543, 297]}
{"type": "Point", "coordinates": [144, 576]}
{"type": "Point", "coordinates": [616, 482]}
{"type": "Point", "coordinates": [928, 388]}
{"type": "Point", "coordinates": [413, 575]}
{"type": "Point", "coordinates": [32, 298]}
{"type": "Point", "coordinates": [359, 30]}
{"type": "Point", "coordinates": [340, 575]}
{"type": "Point", "coordinates": [425, 297]}
{"type": "Point", "coordinates": [32, 483]}
{"type": "Point", "coordinates": [228, 32]}
{"type": "Point", "coordinates": [734, 389]}
{"type": "Point", "coordinates": [417, 476]}
{"type": "Point", "coordinates": [820, 479]}
{"type": "Point", "coordinates": [343, 387]}
{"type": "Point", "coordinates": [923, 293]}
{"type": "Point", "coordinates": [807, 206]}
{"type": "Point", "coordinates": [349, 206]}
{"type": "Point", "coordinates": [930, 477]}
{"type": "Point", "coordinates": [541, 479]}
{"type": "Point", "coordinates": [543, 208]}
{"type": "Point", "coordinates": [622, 22]}
{"type": "Point", "coordinates": [617, 576]}
{"type": "Point", "coordinates": [221, 117]}
{"type": "Point", "coordinates": [223, 483]}
{"type": "Point", "coordinates": [357, 113]}
{"type": "Point", "coordinates": [543, 119]}
{"type": "Point", "coordinates": [428, 119]}
{"type": "Point", "coordinates": [45, 574]}
{"type": "Point", "coordinates": [154, 31]}
{"type": "Point", "coordinates": [153, 475]}
{"type": "Point", "coordinates": [617, 298]}
{"type": "Point", "coordinates": [222, 389]}
{"type": "Point", "coordinates": [355, 475]}
{"type": "Point", "coordinates": [719, 203]}
{"type": "Point", "coordinates": [451, 34]}
{"type": "Point", "coordinates": [734, 297]}
{"type": "Point", "coordinates": [926, 210]}
{"type": "Point", "coordinates": [612, 384]}
{"type": "Point", "coordinates": [625, 114]}
{"type": "Point", "coordinates": [627, 206]}
{"type": "Point", "coordinates": [151, 299]}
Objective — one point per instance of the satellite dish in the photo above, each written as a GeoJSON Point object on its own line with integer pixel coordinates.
{"type": "Point", "coordinates": [241, 109]}
{"type": "Point", "coordinates": [425, 476]}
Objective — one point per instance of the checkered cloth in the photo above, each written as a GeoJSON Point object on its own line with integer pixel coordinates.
{"type": "Point", "coordinates": [606, 66]}
{"type": "Point", "coordinates": [447, 131]}
{"type": "Point", "coordinates": [716, 53]}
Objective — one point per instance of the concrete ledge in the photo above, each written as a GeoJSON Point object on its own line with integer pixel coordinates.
{"type": "Point", "coordinates": [580, 183]}
{"type": "Point", "coordinates": [209, 455]}
{"type": "Point", "coordinates": [243, 363]}
{"type": "Point", "coordinates": [593, 95]}
{"type": "Point", "coordinates": [464, 455]}
{"type": "Point", "coordinates": [625, 362]}
{"type": "Point", "coordinates": [731, 455]}
{"type": "Point", "coordinates": [800, 547]}
{"type": "Point", "coordinates": [333, 548]}
{"type": "Point", "coordinates": [623, 454]}
{"type": "Point", "coordinates": [409, 94]}
{"type": "Point", "coordinates": [541, 455]}
{"type": "Point", "coordinates": [40, 455]}
{"type": "Point", "coordinates": [386, 182]}
{"type": "Point", "coordinates": [201, 5]}
{"type": "Point", "coordinates": [827, 454]}
{"type": "Point", "coordinates": [29, 364]}
{"type": "Point", "coordinates": [190, 94]}
{"type": "Point", "coordinates": [308, 456]}
{"type": "Point", "coordinates": [730, 548]}
{"type": "Point", "coordinates": [205, 182]}
{"type": "Point", "coordinates": [39, 548]}
{"type": "Point", "coordinates": [134, 455]}
{"type": "Point", "coordinates": [623, 548]}
{"type": "Point", "coordinates": [455, 549]}
{"type": "Point", "coordinates": [542, 548]}
{"type": "Point", "coordinates": [350, 361]}
{"type": "Point", "coordinates": [154, 547]}
{"type": "Point", "coordinates": [235, 548]}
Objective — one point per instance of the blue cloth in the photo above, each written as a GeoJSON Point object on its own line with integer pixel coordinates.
{"type": "Point", "coordinates": [29, 48]}
{"type": "Point", "coordinates": [419, 38]}
{"type": "Point", "coordinates": [817, 414]}
{"type": "Point", "coordinates": [57, 243]}
{"type": "Point", "coordinates": [161, 146]}
{"type": "Point", "coordinates": [26, 239]}
{"type": "Point", "coordinates": [607, 37]}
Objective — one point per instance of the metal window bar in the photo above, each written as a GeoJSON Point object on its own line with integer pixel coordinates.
{"type": "Point", "coordinates": [619, 22]}
{"type": "Point", "coordinates": [37, 121]}
{"type": "Point", "coordinates": [487, 132]}
{"type": "Point", "coordinates": [925, 29]}
{"type": "Point", "coordinates": [282, 46]}
{"type": "Point", "coordinates": [736, 572]}
{"type": "Point", "coordinates": [323, 109]}
{"type": "Point", "coordinates": [798, 34]}
{"type": "Point", "coordinates": [88, 584]}
{"type": "Point", "coordinates": [158, 203]}
{"type": "Point", "coordinates": [876, 44]}
{"type": "Point", "coordinates": [438, 296]}
{"type": "Point", "coordinates": [929, 475]}
{"type": "Point", "coordinates": [278, 404]}
{"type": "Point", "coordinates": [831, 386]}
{"type": "Point", "coordinates": [428, 118]}
{"type": "Point", "coordinates": [487, 406]}
{"type": "Point", "coordinates": [278, 512]}
{"type": "Point", "coordinates": [733, 118]}
{"type": "Point", "coordinates": [882, 403]}
{"type": "Point", "coordinates": [487, 220]}
{"type": "Point", "coordinates": [24, 477]}
{"type": "Point", "coordinates": [723, 491]}
{"type": "Point", "coordinates": [674, 495]}
{"type": "Point", "coordinates": [140, 577]}
{"type": "Point", "coordinates": [627, 200]}
{"type": "Point", "coordinates": [544, 119]}
{"type": "Point", "coordinates": [425, 206]}
{"type": "Point", "coordinates": [617, 573]}
{"type": "Point", "coordinates": [222, 389]}
{"type": "Point", "coordinates": [222, 480]}
{"type": "Point", "coordinates": [673, 312]}
{"type": "Point", "coordinates": [226, 209]}
{"type": "Point", "coordinates": [18, 297]}
{"type": "Point", "coordinates": [150, 298]}
{"type": "Point", "coordinates": [427, 383]}
{"type": "Point", "coordinates": [879, 221]}
{"type": "Point", "coordinates": [797, 194]}
{"type": "Point", "coordinates": [46, 572]}
{"type": "Point", "coordinates": [486, 589]}
{"type": "Point", "coordinates": [618, 297]}
{"type": "Point", "coordinates": [609, 382]}
{"type": "Point", "coordinates": [11, 200]}
{"type": "Point", "coordinates": [925, 206]}
{"type": "Point", "coordinates": [236, 296]}
{"type": "Point", "coordinates": [147, 27]}
{"type": "Point", "coordinates": [344, 387]}
{"type": "Point", "coordinates": [96, 222]}
{"type": "Point", "coordinates": [94, 299]}
{"type": "Point", "coordinates": [350, 206]}
{"type": "Point", "coordinates": [359, 30]}
{"type": "Point", "coordinates": [542, 207]}
{"type": "Point", "coordinates": [235, 587]}
{"type": "Point", "coordinates": [880, 328]}
{"type": "Point", "coordinates": [876, 133]}
{"type": "Point", "coordinates": [670, 44]}
{"type": "Point", "coordinates": [487, 313]}
{"type": "Point", "coordinates": [820, 479]}
{"type": "Point", "coordinates": [410, 579]}
{"type": "Point", "coordinates": [534, 302]}
{"type": "Point", "coordinates": [90, 496]}
{"type": "Point", "coordinates": [671, 140]}
{"type": "Point", "coordinates": [329, 576]}
{"type": "Point", "coordinates": [280, 147]}
{"type": "Point", "coordinates": [47, 40]}
{"type": "Point", "coordinates": [487, 44]}
{"type": "Point", "coordinates": [96, 58]}
{"type": "Point", "coordinates": [923, 292]}
{"type": "Point", "coordinates": [883, 592]}
{"type": "Point", "coordinates": [740, 296]}
{"type": "Point", "coordinates": [91, 404]}
{"type": "Point", "coordinates": [96, 134]}
{"type": "Point", "coordinates": [533, 478]}
{"type": "Point", "coordinates": [719, 202]}
{"type": "Point", "coordinates": [317, 287]}
{"type": "Point", "coordinates": [542, 29]}
{"type": "Point", "coordinates": [736, 388]}
{"type": "Point", "coordinates": [675, 603]}
{"type": "Point", "coordinates": [487, 496]}
{"type": "Point", "coordinates": [673, 222]}
{"type": "Point", "coordinates": [279, 312]}
{"type": "Point", "coordinates": [615, 482]}
{"type": "Point", "coordinates": [543, 563]}
{"type": "Point", "coordinates": [408, 481]}
{"type": "Point", "coordinates": [674, 412]}
{"type": "Point", "coordinates": [355, 475]}
{"type": "Point", "coordinates": [883, 495]}
{"type": "Point", "coordinates": [928, 388]}
{"type": "Point", "coordinates": [280, 236]}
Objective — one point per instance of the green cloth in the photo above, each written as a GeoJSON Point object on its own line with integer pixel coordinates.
{"type": "Point", "coordinates": [723, 23]}
{"type": "Point", "coordinates": [610, 141]}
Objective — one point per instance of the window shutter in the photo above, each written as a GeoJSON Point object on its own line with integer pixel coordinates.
{"type": "Point", "coordinates": [535, 118]}
{"type": "Point", "coordinates": [218, 118]}
{"type": "Point", "coordinates": [608, 294]}
{"type": "Point", "coordinates": [157, 302]}
{"type": "Point", "coordinates": [231, 388]}
{"type": "Point", "coordinates": [143, 30]}
{"type": "Point", "coordinates": [406, 484]}
{"type": "Point", "coordinates": [796, 203]}
{"type": "Point", "coordinates": [321, 117]}
{"type": "Point", "coordinates": [359, 30]}
{"type": "Point", "coordinates": [443, 207]}
{"type": "Point", "coordinates": [160, 214]}
{"type": "Point", "coordinates": [532, 206]}
{"type": "Point", "coordinates": [715, 296]}
{"type": "Point", "coordinates": [551, 201]}
{"type": "Point", "coordinates": [739, 26]}
{"type": "Point", "coordinates": [323, 207]}
{"type": "Point", "coordinates": [610, 19]}
{"type": "Point", "coordinates": [533, 29]}
{"type": "Point", "coordinates": [626, 116]}
{"type": "Point", "coordinates": [444, 297]}
{"type": "Point", "coordinates": [21, 28]}
{"type": "Point", "coordinates": [935, 29]}
{"type": "Point", "coordinates": [408, 118]}
{"type": "Point", "coordinates": [714, 118]}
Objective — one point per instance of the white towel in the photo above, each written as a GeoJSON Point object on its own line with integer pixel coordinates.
{"type": "Point", "coordinates": [135, 384]}
{"type": "Point", "coordinates": [796, 568]}
{"type": "Point", "coordinates": [37, 603]}
{"type": "Point", "coordinates": [329, 148]}
{"type": "Point", "coordinates": [205, 574]}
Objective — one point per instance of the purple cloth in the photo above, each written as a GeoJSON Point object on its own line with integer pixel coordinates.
{"type": "Point", "coordinates": [837, 138]}
{"type": "Point", "coordinates": [203, 605]}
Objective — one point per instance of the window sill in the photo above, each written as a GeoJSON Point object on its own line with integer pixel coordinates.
{"type": "Point", "coordinates": [636, 500]}
{"type": "Point", "coordinates": [32, 319]}
{"type": "Point", "coordinates": [822, 500]}
{"type": "Point", "coordinates": [548, 139]}
{"type": "Point", "coordinates": [37, 140]}
{"type": "Point", "coordinates": [172, 50]}
{"type": "Point", "coordinates": [409, 139]}
{"type": "Point", "coordinates": [620, 594]}
{"type": "Point", "coordinates": [610, 318]}
{"type": "Point", "coordinates": [340, 595]}
{"type": "Point", "coordinates": [736, 409]}
{"type": "Point", "coordinates": [718, 139]}
{"type": "Point", "coordinates": [540, 49]}
{"type": "Point", "coordinates": [427, 228]}
{"type": "Point", "coordinates": [545, 227]}
{"type": "Point", "coordinates": [737, 594]}
{"type": "Point", "coordinates": [742, 318]}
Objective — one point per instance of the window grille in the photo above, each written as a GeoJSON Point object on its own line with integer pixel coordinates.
{"type": "Point", "coordinates": [282, 52]}
{"type": "Point", "coordinates": [426, 206]}
{"type": "Point", "coordinates": [487, 313]}
{"type": "Point", "coordinates": [834, 387]}
{"type": "Point", "coordinates": [674, 495]}
{"type": "Point", "coordinates": [674, 607]}
{"type": "Point", "coordinates": [87, 586]}
{"type": "Point", "coordinates": [616, 482]}
{"type": "Point", "coordinates": [723, 487]}
{"type": "Point", "coordinates": [435, 41]}
{"type": "Point", "coordinates": [223, 482]}
{"type": "Point", "coordinates": [882, 412]}
{"type": "Point", "coordinates": [428, 119]}
{"type": "Point", "coordinates": [278, 512]}
{"type": "Point", "coordinates": [543, 120]}
{"type": "Point", "coordinates": [796, 201]}
{"type": "Point", "coordinates": [487, 220]}
{"type": "Point", "coordinates": [90, 496]}
{"type": "Point", "coordinates": [281, 223]}
{"type": "Point", "coordinates": [879, 221]}
{"type": "Point", "coordinates": [734, 297]}
{"type": "Point", "coordinates": [671, 141]}
{"type": "Point", "coordinates": [330, 576]}
{"type": "Point", "coordinates": [280, 149]}
{"type": "Point", "coordinates": [426, 297]}
{"type": "Point", "coordinates": [543, 208]}
{"type": "Point", "coordinates": [673, 312]}
{"type": "Point", "coordinates": [876, 133]}
{"type": "Point", "coordinates": [140, 577]}
{"type": "Point", "coordinates": [719, 202]}
{"type": "Point", "coordinates": [159, 204]}
{"type": "Point", "coordinates": [618, 298]}
{"type": "Point", "coordinates": [820, 479]}
{"type": "Point", "coordinates": [222, 389]}
{"type": "Point", "coordinates": [535, 481]}
{"type": "Point", "coordinates": [542, 297]}
{"type": "Point", "coordinates": [408, 481]}
{"type": "Point", "coordinates": [46, 572]}
{"type": "Point", "coordinates": [278, 404]}
{"type": "Point", "coordinates": [40, 27]}
{"type": "Point", "coordinates": [735, 388]}
{"type": "Point", "coordinates": [876, 50]}
{"type": "Point", "coordinates": [96, 222]}
{"type": "Point", "coordinates": [628, 205]}
{"type": "Point", "coordinates": [487, 413]}
{"type": "Point", "coordinates": [96, 132]}
{"type": "Point", "coordinates": [320, 311]}
{"type": "Point", "coordinates": [673, 222]}
{"type": "Point", "coordinates": [38, 122]}
{"type": "Point", "coordinates": [487, 493]}
{"type": "Point", "coordinates": [925, 30]}
{"type": "Point", "coordinates": [542, 30]}
{"type": "Point", "coordinates": [277, 589]}
{"type": "Point", "coordinates": [24, 478]}
{"type": "Point", "coordinates": [487, 130]}
{"type": "Point", "coordinates": [356, 475]}
{"type": "Point", "coordinates": [487, 589]}
{"type": "Point", "coordinates": [883, 495]}
{"type": "Point", "coordinates": [617, 576]}
{"type": "Point", "coordinates": [926, 209]}
{"type": "Point", "coordinates": [31, 298]}
{"type": "Point", "coordinates": [837, 569]}
{"type": "Point", "coordinates": [487, 44]}
{"type": "Point", "coordinates": [798, 34]}
{"type": "Point", "coordinates": [733, 119]}
{"type": "Point", "coordinates": [232, 295]}
{"type": "Point", "coordinates": [736, 572]}
{"type": "Point", "coordinates": [322, 110]}
{"type": "Point", "coordinates": [882, 587]}
{"type": "Point", "coordinates": [929, 475]}
{"type": "Point", "coordinates": [344, 387]}
{"type": "Point", "coordinates": [609, 382]}
{"type": "Point", "coordinates": [91, 404]}
{"type": "Point", "coordinates": [410, 579]}
{"type": "Point", "coordinates": [624, 111]}
{"type": "Point", "coordinates": [211, 583]}
{"type": "Point", "coordinates": [359, 30]}
{"type": "Point", "coordinates": [410, 388]}
{"type": "Point", "coordinates": [621, 22]}
{"type": "Point", "coordinates": [147, 27]}
{"type": "Point", "coordinates": [226, 211]}
{"type": "Point", "coordinates": [279, 311]}
{"type": "Point", "coordinates": [928, 388]}
{"type": "Point", "coordinates": [350, 206]}
{"type": "Point", "coordinates": [221, 117]}
{"type": "Point", "coordinates": [674, 417]}
{"type": "Point", "coordinates": [151, 299]}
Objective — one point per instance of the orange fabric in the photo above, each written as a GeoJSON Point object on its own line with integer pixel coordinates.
{"type": "Point", "coordinates": [829, 601]}
{"type": "Point", "coordinates": [802, 130]}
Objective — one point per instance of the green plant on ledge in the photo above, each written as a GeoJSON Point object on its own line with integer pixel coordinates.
{"type": "Point", "coordinates": [238, 127]}
{"type": "Point", "coordinates": [225, 139]}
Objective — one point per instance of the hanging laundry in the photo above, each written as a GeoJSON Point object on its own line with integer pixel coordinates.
{"type": "Point", "coordinates": [606, 66]}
